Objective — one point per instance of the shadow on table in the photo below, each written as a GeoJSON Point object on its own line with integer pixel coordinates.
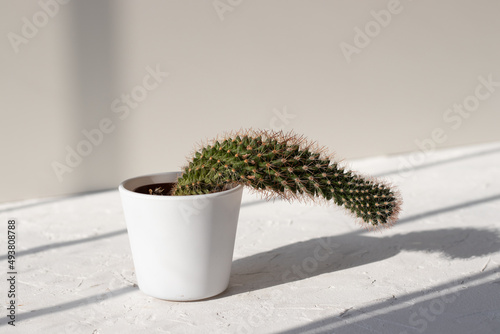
{"type": "Point", "coordinates": [471, 301]}
{"type": "Point", "coordinates": [61, 244]}
{"type": "Point", "coordinates": [468, 305]}
{"type": "Point", "coordinates": [318, 256]}
{"type": "Point", "coordinates": [494, 150]}
{"type": "Point", "coordinates": [323, 255]}
{"type": "Point", "coordinates": [90, 302]}
{"type": "Point", "coordinates": [50, 200]}
{"type": "Point", "coordinates": [446, 209]}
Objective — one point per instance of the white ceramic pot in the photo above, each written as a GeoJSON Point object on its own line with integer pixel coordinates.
{"type": "Point", "coordinates": [182, 246]}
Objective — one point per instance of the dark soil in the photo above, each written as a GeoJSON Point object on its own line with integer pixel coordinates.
{"type": "Point", "coordinates": [162, 189]}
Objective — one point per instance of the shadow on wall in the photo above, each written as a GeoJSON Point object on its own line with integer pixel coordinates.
{"type": "Point", "coordinates": [318, 256]}
{"type": "Point", "coordinates": [93, 44]}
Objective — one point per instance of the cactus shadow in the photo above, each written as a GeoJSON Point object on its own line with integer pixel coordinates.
{"type": "Point", "coordinates": [307, 259]}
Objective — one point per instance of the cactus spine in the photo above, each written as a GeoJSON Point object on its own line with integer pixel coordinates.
{"type": "Point", "coordinates": [286, 166]}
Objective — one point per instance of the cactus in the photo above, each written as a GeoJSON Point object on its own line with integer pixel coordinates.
{"type": "Point", "coordinates": [285, 165]}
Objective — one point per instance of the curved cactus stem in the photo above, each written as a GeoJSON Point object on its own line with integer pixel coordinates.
{"type": "Point", "coordinates": [286, 165]}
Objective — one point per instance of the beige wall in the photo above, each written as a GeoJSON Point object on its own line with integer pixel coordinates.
{"type": "Point", "coordinates": [301, 65]}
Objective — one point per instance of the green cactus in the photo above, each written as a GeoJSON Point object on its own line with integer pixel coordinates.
{"type": "Point", "coordinates": [286, 166]}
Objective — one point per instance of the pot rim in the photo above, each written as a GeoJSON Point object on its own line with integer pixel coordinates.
{"type": "Point", "coordinates": [124, 190]}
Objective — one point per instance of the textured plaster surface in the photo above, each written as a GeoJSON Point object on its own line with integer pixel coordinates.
{"type": "Point", "coordinates": [298, 268]}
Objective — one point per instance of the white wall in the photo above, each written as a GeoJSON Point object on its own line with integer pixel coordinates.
{"type": "Point", "coordinates": [240, 65]}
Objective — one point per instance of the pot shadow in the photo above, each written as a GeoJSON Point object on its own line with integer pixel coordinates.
{"type": "Point", "coordinates": [318, 256]}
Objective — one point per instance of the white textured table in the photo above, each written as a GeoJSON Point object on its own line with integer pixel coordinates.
{"type": "Point", "coordinates": [297, 268]}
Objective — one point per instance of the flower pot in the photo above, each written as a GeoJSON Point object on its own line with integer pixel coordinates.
{"type": "Point", "coordinates": [182, 246]}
